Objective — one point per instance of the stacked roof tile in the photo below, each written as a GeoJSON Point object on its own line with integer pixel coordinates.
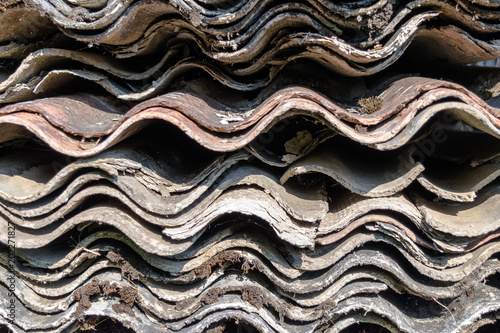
{"type": "Point", "coordinates": [260, 166]}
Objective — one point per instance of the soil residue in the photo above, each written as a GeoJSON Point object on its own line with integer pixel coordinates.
{"type": "Point", "coordinates": [181, 305]}
{"type": "Point", "coordinates": [108, 288]}
{"type": "Point", "coordinates": [122, 308]}
{"type": "Point", "coordinates": [128, 271]}
{"type": "Point", "coordinates": [205, 269]}
{"type": "Point", "coordinates": [212, 296]}
{"type": "Point", "coordinates": [254, 296]}
{"type": "Point", "coordinates": [247, 266]}
{"type": "Point", "coordinates": [128, 295]}
{"type": "Point", "coordinates": [374, 24]}
{"type": "Point", "coordinates": [83, 295]}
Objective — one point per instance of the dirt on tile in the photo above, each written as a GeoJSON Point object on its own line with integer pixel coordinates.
{"type": "Point", "coordinates": [122, 308]}
{"type": "Point", "coordinates": [254, 296]}
{"type": "Point", "coordinates": [128, 271]}
{"type": "Point", "coordinates": [205, 269]}
{"type": "Point", "coordinates": [184, 303]}
{"type": "Point", "coordinates": [128, 295]}
{"type": "Point", "coordinates": [82, 295]}
{"type": "Point", "coordinates": [211, 296]}
{"type": "Point", "coordinates": [108, 288]}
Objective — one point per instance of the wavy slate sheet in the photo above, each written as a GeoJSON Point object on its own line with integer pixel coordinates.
{"type": "Point", "coordinates": [307, 205]}
{"type": "Point", "coordinates": [287, 311]}
{"type": "Point", "coordinates": [32, 322]}
{"type": "Point", "coordinates": [50, 69]}
{"type": "Point", "coordinates": [434, 219]}
{"type": "Point", "coordinates": [388, 231]}
{"type": "Point", "coordinates": [407, 323]}
{"type": "Point", "coordinates": [384, 271]}
{"type": "Point", "coordinates": [461, 183]}
{"type": "Point", "coordinates": [328, 160]}
{"type": "Point", "coordinates": [390, 315]}
{"type": "Point", "coordinates": [32, 175]}
{"type": "Point", "coordinates": [349, 168]}
{"type": "Point", "coordinates": [484, 302]}
{"type": "Point", "coordinates": [251, 252]}
{"type": "Point", "coordinates": [303, 205]}
{"type": "Point", "coordinates": [258, 51]}
{"type": "Point", "coordinates": [321, 278]}
{"type": "Point", "coordinates": [210, 246]}
{"type": "Point", "coordinates": [46, 77]}
{"type": "Point", "coordinates": [227, 251]}
{"type": "Point", "coordinates": [374, 20]}
{"type": "Point", "coordinates": [103, 252]}
{"type": "Point", "coordinates": [374, 179]}
{"type": "Point", "coordinates": [182, 298]}
{"type": "Point", "coordinates": [467, 221]}
{"type": "Point", "coordinates": [178, 310]}
{"type": "Point", "coordinates": [58, 257]}
{"type": "Point", "coordinates": [438, 221]}
{"type": "Point", "coordinates": [258, 40]}
{"type": "Point", "coordinates": [185, 229]}
{"type": "Point", "coordinates": [256, 29]}
{"type": "Point", "coordinates": [103, 118]}
{"type": "Point", "coordinates": [393, 270]}
{"type": "Point", "coordinates": [444, 268]}
{"type": "Point", "coordinates": [22, 124]}
{"type": "Point", "coordinates": [69, 135]}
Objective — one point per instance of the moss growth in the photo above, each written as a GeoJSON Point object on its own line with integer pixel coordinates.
{"type": "Point", "coordinates": [370, 105]}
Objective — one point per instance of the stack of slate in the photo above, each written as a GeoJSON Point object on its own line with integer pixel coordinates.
{"type": "Point", "coordinates": [211, 166]}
